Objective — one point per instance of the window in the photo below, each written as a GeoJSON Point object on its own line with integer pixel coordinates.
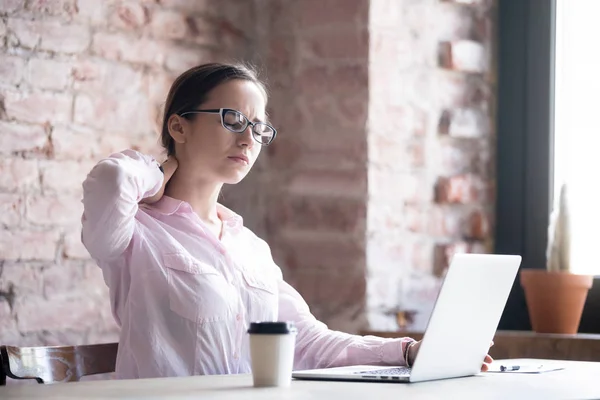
{"type": "Point", "coordinates": [576, 134]}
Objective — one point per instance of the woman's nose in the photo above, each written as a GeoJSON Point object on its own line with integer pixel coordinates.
{"type": "Point", "coordinates": [246, 138]}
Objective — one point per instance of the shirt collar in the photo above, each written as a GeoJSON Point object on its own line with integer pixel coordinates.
{"type": "Point", "coordinates": [169, 206]}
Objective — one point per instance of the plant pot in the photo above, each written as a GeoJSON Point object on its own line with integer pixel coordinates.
{"type": "Point", "coordinates": [555, 300]}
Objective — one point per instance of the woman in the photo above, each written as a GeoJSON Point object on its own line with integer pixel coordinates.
{"type": "Point", "coordinates": [185, 276]}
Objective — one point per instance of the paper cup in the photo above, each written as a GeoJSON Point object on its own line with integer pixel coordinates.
{"type": "Point", "coordinates": [272, 346]}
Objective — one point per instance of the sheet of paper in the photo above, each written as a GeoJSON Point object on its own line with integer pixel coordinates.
{"type": "Point", "coordinates": [525, 368]}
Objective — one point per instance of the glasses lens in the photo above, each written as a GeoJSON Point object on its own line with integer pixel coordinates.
{"type": "Point", "coordinates": [263, 133]}
{"type": "Point", "coordinates": [235, 121]}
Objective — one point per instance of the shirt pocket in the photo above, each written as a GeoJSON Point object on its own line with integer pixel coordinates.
{"type": "Point", "coordinates": [197, 291]}
{"type": "Point", "coordinates": [263, 293]}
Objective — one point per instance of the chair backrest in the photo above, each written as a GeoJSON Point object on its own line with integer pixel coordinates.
{"type": "Point", "coordinates": [56, 363]}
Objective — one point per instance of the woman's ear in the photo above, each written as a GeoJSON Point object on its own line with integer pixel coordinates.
{"type": "Point", "coordinates": [177, 128]}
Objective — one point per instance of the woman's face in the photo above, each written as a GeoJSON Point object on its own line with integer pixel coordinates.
{"type": "Point", "coordinates": [208, 150]}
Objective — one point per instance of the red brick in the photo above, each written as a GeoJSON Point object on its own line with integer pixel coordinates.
{"type": "Point", "coordinates": [75, 143]}
{"type": "Point", "coordinates": [397, 121]}
{"type": "Point", "coordinates": [74, 249]}
{"type": "Point", "coordinates": [281, 55]}
{"type": "Point", "coordinates": [93, 12]}
{"type": "Point", "coordinates": [464, 189]}
{"type": "Point", "coordinates": [483, 29]}
{"type": "Point", "coordinates": [202, 30]}
{"type": "Point", "coordinates": [485, 3]}
{"type": "Point", "coordinates": [285, 153]}
{"type": "Point", "coordinates": [385, 14]}
{"type": "Point", "coordinates": [28, 244]}
{"type": "Point", "coordinates": [454, 23]}
{"type": "Point", "coordinates": [329, 293]}
{"type": "Point", "coordinates": [478, 225]}
{"type": "Point", "coordinates": [149, 144]}
{"type": "Point", "coordinates": [26, 33]}
{"type": "Point", "coordinates": [64, 176]}
{"type": "Point", "coordinates": [101, 77]}
{"type": "Point", "coordinates": [52, 210]}
{"type": "Point", "coordinates": [53, 338]}
{"type": "Point", "coordinates": [386, 185]}
{"type": "Point", "coordinates": [11, 206]}
{"type": "Point", "coordinates": [446, 221]}
{"type": "Point", "coordinates": [10, 6]}
{"type": "Point", "coordinates": [280, 19]}
{"type": "Point", "coordinates": [326, 118]}
{"type": "Point", "coordinates": [129, 15]}
{"type": "Point", "coordinates": [351, 184]}
{"type": "Point", "coordinates": [339, 44]}
{"type": "Point", "coordinates": [465, 123]}
{"type": "Point", "coordinates": [64, 8]}
{"type": "Point", "coordinates": [24, 278]}
{"type": "Point", "coordinates": [11, 69]}
{"type": "Point", "coordinates": [60, 279]}
{"type": "Point", "coordinates": [156, 85]}
{"type": "Point", "coordinates": [384, 217]}
{"type": "Point", "coordinates": [122, 47]}
{"type": "Point", "coordinates": [167, 24]}
{"type": "Point", "coordinates": [18, 174]}
{"type": "Point", "coordinates": [107, 111]}
{"type": "Point", "coordinates": [48, 74]}
{"type": "Point", "coordinates": [339, 81]}
{"type": "Point", "coordinates": [321, 252]}
{"type": "Point", "coordinates": [112, 143]}
{"type": "Point", "coordinates": [445, 252]}
{"type": "Point", "coordinates": [38, 107]}
{"type": "Point", "coordinates": [330, 13]}
{"type": "Point", "coordinates": [17, 137]}
{"type": "Point", "coordinates": [6, 315]}
{"type": "Point", "coordinates": [462, 90]}
{"type": "Point", "coordinates": [60, 38]}
{"type": "Point", "coordinates": [465, 156]}
{"type": "Point", "coordinates": [189, 7]}
{"type": "Point", "coordinates": [464, 56]}
{"type": "Point", "coordinates": [75, 311]}
{"type": "Point", "coordinates": [388, 151]}
{"type": "Point", "coordinates": [179, 58]}
{"type": "Point", "coordinates": [319, 214]}
{"type": "Point", "coordinates": [421, 256]}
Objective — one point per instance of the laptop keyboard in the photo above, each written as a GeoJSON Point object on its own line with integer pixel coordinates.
{"type": "Point", "coordinates": [387, 371]}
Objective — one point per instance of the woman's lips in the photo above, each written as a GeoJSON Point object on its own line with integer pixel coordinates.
{"type": "Point", "coordinates": [239, 159]}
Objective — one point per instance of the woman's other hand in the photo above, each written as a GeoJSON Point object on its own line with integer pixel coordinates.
{"type": "Point", "coordinates": [169, 167]}
{"type": "Point", "coordinates": [414, 350]}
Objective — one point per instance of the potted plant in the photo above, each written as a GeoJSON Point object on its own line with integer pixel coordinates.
{"type": "Point", "coordinates": [555, 296]}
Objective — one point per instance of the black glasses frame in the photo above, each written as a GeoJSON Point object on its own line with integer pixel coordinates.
{"type": "Point", "coordinates": [223, 111]}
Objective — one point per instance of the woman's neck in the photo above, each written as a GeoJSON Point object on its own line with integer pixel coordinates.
{"type": "Point", "coordinates": [201, 195]}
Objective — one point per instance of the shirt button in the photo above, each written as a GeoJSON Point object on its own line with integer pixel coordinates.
{"type": "Point", "coordinates": [235, 355]}
{"type": "Point", "coordinates": [238, 317]}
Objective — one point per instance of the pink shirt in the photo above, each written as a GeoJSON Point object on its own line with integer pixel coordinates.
{"type": "Point", "coordinates": [183, 298]}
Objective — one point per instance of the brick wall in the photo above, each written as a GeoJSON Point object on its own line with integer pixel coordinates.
{"type": "Point", "coordinates": [383, 166]}
{"type": "Point", "coordinates": [79, 80]}
{"type": "Point", "coordinates": [431, 143]}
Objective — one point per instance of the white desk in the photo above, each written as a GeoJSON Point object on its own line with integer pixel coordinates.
{"type": "Point", "coordinates": [579, 380]}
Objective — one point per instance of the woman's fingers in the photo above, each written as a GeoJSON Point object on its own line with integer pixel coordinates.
{"type": "Point", "coordinates": [488, 359]}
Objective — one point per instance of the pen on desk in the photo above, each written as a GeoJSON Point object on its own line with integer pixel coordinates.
{"type": "Point", "coordinates": [509, 368]}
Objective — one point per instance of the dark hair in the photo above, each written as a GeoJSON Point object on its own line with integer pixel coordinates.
{"type": "Point", "coordinates": [192, 87]}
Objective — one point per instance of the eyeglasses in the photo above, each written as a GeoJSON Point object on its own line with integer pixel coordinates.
{"type": "Point", "coordinates": [236, 122]}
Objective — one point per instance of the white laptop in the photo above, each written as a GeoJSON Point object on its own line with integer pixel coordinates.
{"type": "Point", "coordinates": [461, 327]}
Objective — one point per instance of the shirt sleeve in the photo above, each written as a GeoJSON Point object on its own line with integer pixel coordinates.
{"type": "Point", "coordinates": [317, 346]}
{"type": "Point", "coordinates": [111, 193]}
